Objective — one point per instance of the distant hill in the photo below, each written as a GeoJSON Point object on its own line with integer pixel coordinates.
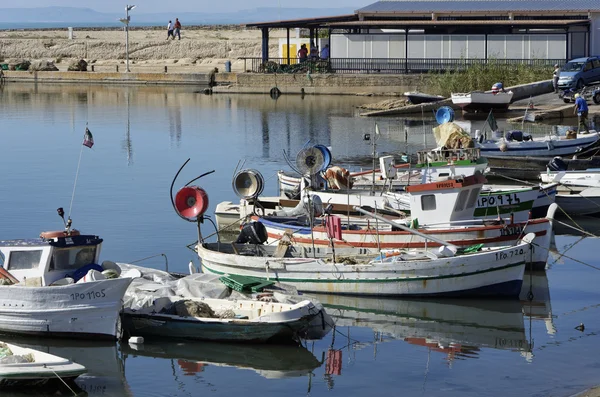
{"type": "Point", "coordinates": [74, 16]}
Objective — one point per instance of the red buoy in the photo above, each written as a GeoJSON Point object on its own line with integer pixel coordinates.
{"type": "Point", "coordinates": [191, 202]}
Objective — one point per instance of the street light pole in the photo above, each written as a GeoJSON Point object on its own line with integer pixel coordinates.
{"type": "Point", "coordinates": [126, 23]}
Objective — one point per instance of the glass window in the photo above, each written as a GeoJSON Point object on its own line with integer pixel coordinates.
{"type": "Point", "coordinates": [23, 260]}
{"type": "Point", "coordinates": [473, 198]}
{"type": "Point", "coordinates": [462, 200]}
{"type": "Point", "coordinates": [72, 258]}
{"type": "Point", "coordinates": [588, 66]}
{"type": "Point", "coordinates": [428, 202]}
{"type": "Point", "coordinates": [596, 63]}
{"type": "Point", "coordinates": [1, 259]}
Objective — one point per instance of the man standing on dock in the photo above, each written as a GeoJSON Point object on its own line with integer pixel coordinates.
{"type": "Point", "coordinates": [581, 108]}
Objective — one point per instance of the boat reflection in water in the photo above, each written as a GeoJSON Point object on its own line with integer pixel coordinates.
{"type": "Point", "coordinates": [454, 327]}
{"type": "Point", "coordinates": [535, 299]}
{"type": "Point", "coordinates": [105, 369]}
{"type": "Point", "coordinates": [269, 361]}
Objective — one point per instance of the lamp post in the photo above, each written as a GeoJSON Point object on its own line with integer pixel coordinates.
{"type": "Point", "coordinates": [126, 23]}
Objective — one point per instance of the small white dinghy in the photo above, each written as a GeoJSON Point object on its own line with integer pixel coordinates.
{"type": "Point", "coordinates": [25, 366]}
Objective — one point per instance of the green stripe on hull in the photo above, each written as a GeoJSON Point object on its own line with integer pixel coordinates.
{"type": "Point", "coordinates": [386, 280]}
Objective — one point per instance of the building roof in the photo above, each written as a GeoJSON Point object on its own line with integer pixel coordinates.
{"type": "Point", "coordinates": [454, 6]}
{"type": "Point", "coordinates": [304, 22]}
{"type": "Point", "coordinates": [432, 23]}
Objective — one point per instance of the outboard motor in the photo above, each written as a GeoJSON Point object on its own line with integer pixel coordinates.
{"type": "Point", "coordinates": [303, 207]}
{"type": "Point", "coordinates": [253, 233]}
{"type": "Point", "coordinates": [557, 164]}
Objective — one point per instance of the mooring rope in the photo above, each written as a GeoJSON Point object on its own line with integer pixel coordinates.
{"type": "Point", "coordinates": [63, 381]}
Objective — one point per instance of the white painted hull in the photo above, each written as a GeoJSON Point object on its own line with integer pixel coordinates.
{"type": "Point", "coordinates": [482, 100]}
{"type": "Point", "coordinates": [538, 148]}
{"type": "Point", "coordinates": [88, 309]}
{"type": "Point", "coordinates": [589, 178]}
{"type": "Point", "coordinates": [43, 368]}
{"type": "Point", "coordinates": [492, 272]}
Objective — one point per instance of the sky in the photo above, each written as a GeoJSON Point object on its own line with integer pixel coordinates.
{"type": "Point", "coordinates": [157, 6]}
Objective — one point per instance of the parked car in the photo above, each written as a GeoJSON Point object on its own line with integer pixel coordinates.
{"type": "Point", "coordinates": [579, 72]}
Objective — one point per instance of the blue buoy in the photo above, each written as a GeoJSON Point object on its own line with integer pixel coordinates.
{"type": "Point", "coordinates": [444, 114]}
{"type": "Point", "coordinates": [326, 156]}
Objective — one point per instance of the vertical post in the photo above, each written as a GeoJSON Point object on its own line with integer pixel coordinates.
{"type": "Point", "coordinates": [127, 38]}
{"type": "Point", "coordinates": [288, 46]}
{"type": "Point", "coordinates": [265, 44]}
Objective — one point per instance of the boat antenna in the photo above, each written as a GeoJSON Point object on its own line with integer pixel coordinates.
{"type": "Point", "coordinates": [88, 141]}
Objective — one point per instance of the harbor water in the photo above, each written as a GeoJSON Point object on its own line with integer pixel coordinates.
{"type": "Point", "coordinates": [119, 190]}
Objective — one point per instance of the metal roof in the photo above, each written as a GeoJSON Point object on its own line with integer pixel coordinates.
{"type": "Point", "coordinates": [304, 22]}
{"type": "Point", "coordinates": [396, 23]}
{"type": "Point", "coordinates": [454, 6]}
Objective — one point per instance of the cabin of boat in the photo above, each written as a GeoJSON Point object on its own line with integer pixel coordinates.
{"type": "Point", "coordinates": [44, 260]}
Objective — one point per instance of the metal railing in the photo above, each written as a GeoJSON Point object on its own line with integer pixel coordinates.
{"type": "Point", "coordinates": [381, 65]}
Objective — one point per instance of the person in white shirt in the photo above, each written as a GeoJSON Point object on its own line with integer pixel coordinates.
{"type": "Point", "coordinates": [170, 31]}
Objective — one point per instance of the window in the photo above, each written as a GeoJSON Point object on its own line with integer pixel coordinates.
{"type": "Point", "coordinates": [72, 258]}
{"type": "Point", "coordinates": [462, 200]}
{"type": "Point", "coordinates": [1, 259]}
{"type": "Point", "coordinates": [23, 260]}
{"type": "Point", "coordinates": [588, 66]}
{"type": "Point", "coordinates": [473, 198]}
{"type": "Point", "coordinates": [596, 63]}
{"type": "Point", "coordinates": [428, 202]}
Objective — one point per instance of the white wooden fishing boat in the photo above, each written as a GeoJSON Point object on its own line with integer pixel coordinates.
{"type": "Point", "coordinates": [442, 210]}
{"type": "Point", "coordinates": [24, 366]}
{"type": "Point", "coordinates": [579, 201]}
{"type": "Point", "coordinates": [548, 146]}
{"type": "Point", "coordinates": [419, 97]}
{"type": "Point", "coordinates": [53, 286]}
{"type": "Point", "coordinates": [221, 320]}
{"type": "Point", "coordinates": [479, 100]}
{"type": "Point", "coordinates": [587, 178]}
{"type": "Point", "coordinates": [494, 272]}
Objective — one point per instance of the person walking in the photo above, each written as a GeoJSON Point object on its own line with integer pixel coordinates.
{"type": "Point", "coordinates": [177, 29]}
{"type": "Point", "coordinates": [170, 30]}
{"type": "Point", "coordinates": [581, 108]}
{"type": "Point", "coordinates": [555, 77]}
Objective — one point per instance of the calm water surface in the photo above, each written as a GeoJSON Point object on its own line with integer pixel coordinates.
{"type": "Point", "coordinates": [379, 347]}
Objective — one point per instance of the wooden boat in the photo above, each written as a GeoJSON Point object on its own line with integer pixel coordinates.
{"type": "Point", "coordinates": [493, 272]}
{"type": "Point", "coordinates": [582, 178]}
{"type": "Point", "coordinates": [29, 367]}
{"type": "Point", "coordinates": [40, 294]}
{"type": "Point", "coordinates": [579, 200]}
{"type": "Point", "coordinates": [528, 167]}
{"type": "Point", "coordinates": [419, 97]}
{"type": "Point", "coordinates": [549, 146]}
{"type": "Point", "coordinates": [268, 360]}
{"type": "Point", "coordinates": [482, 101]}
{"type": "Point", "coordinates": [448, 215]}
{"type": "Point", "coordinates": [220, 320]}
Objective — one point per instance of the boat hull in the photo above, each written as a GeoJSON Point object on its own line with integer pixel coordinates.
{"type": "Point", "coordinates": [576, 204]}
{"type": "Point", "coordinates": [544, 148]}
{"type": "Point", "coordinates": [492, 236]}
{"type": "Point", "coordinates": [482, 101]}
{"type": "Point", "coordinates": [495, 273]}
{"type": "Point", "coordinates": [85, 310]}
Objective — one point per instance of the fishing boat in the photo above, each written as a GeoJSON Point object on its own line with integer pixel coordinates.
{"type": "Point", "coordinates": [490, 271]}
{"type": "Point", "coordinates": [582, 178]}
{"type": "Point", "coordinates": [482, 101]}
{"type": "Point", "coordinates": [24, 366]}
{"type": "Point", "coordinates": [416, 98]}
{"type": "Point", "coordinates": [53, 286]}
{"type": "Point", "coordinates": [579, 191]}
{"type": "Point", "coordinates": [221, 320]}
{"type": "Point", "coordinates": [548, 146]}
{"type": "Point", "coordinates": [443, 210]}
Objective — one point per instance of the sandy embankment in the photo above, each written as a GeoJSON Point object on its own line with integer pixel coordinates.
{"type": "Point", "coordinates": [199, 50]}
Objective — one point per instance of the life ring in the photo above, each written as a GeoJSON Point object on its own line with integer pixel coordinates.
{"type": "Point", "coordinates": [58, 233]}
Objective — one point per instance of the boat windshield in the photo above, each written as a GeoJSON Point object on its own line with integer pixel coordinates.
{"type": "Point", "coordinates": [72, 258]}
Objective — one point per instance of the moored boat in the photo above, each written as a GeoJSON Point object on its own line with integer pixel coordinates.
{"type": "Point", "coordinates": [482, 101]}
{"type": "Point", "coordinates": [548, 146]}
{"type": "Point", "coordinates": [416, 98]}
{"type": "Point", "coordinates": [22, 366]}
